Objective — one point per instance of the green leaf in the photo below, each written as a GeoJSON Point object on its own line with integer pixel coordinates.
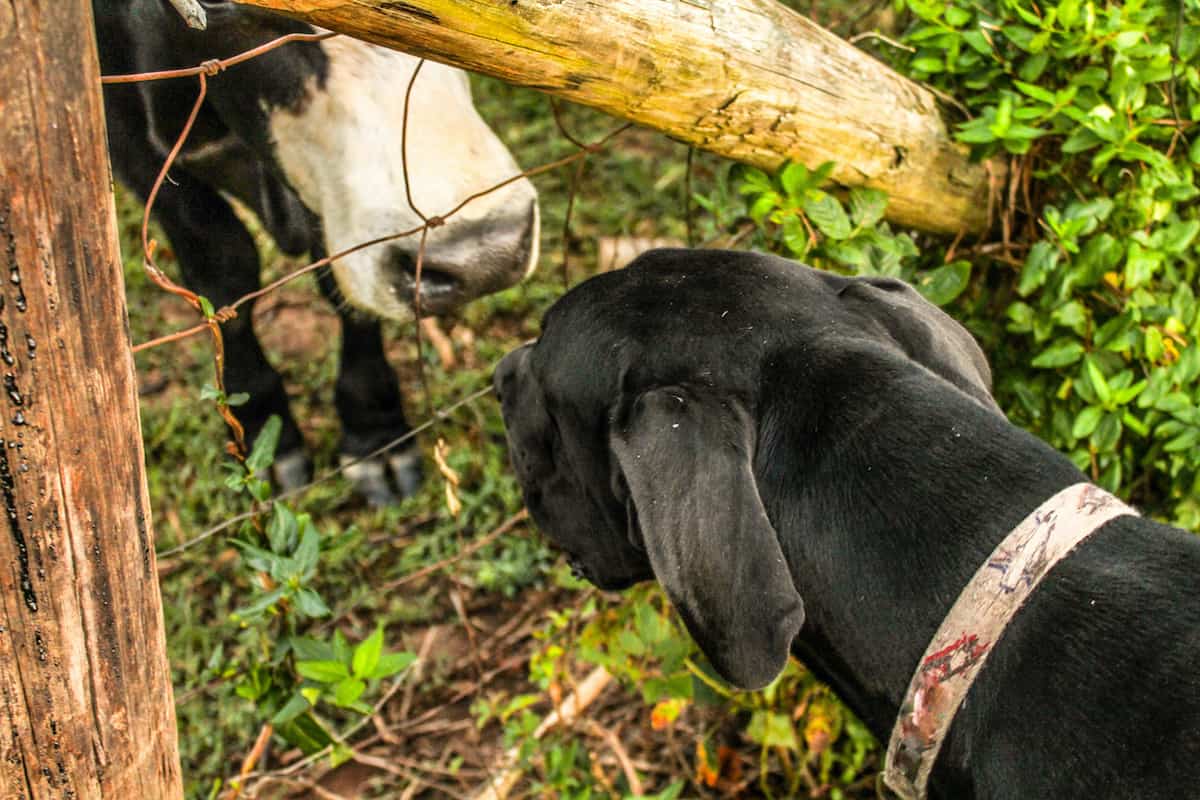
{"type": "Point", "coordinates": [764, 205]}
{"type": "Point", "coordinates": [291, 709]}
{"type": "Point", "coordinates": [392, 664]}
{"type": "Point", "coordinates": [306, 733]}
{"type": "Point", "coordinates": [1036, 92]}
{"type": "Point", "coordinates": [1096, 378]}
{"type": "Point", "coordinates": [930, 64]}
{"type": "Point", "coordinates": [307, 648]}
{"type": "Point", "coordinates": [1060, 354]}
{"type": "Point", "coordinates": [310, 604]}
{"type": "Point", "coordinates": [348, 690]}
{"type": "Point", "coordinates": [261, 604]}
{"type": "Point", "coordinates": [1184, 441]}
{"type": "Point", "coordinates": [867, 206]}
{"type": "Point", "coordinates": [755, 181]}
{"type": "Point", "coordinates": [1040, 262]}
{"type": "Point", "coordinates": [1140, 265]}
{"type": "Point", "coordinates": [795, 178]}
{"type": "Point", "coordinates": [1086, 422]}
{"type": "Point", "coordinates": [339, 754]}
{"type": "Point", "coordinates": [945, 283]}
{"type": "Point", "coordinates": [956, 16]}
{"type": "Point", "coordinates": [263, 453]}
{"type": "Point", "coordinates": [206, 306]}
{"type": "Point", "coordinates": [1108, 433]}
{"type": "Point", "coordinates": [1071, 315]}
{"type": "Point", "coordinates": [795, 235]}
{"type": "Point", "coordinates": [772, 730]}
{"type": "Point", "coordinates": [1178, 236]}
{"type": "Point", "coordinates": [1080, 140]}
{"type": "Point", "coordinates": [323, 671]}
{"type": "Point", "coordinates": [308, 551]}
{"type": "Point", "coordinates": [281, 530]}
{"type": "Point", "coordinates": [828, 215]}
{"type": "Point", "coordinates": [366, 654]}
{"type": "Point", "coordinates": [237, 399]}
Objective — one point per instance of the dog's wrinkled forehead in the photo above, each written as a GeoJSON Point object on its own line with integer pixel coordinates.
{"type": "Point", "coordinates": [671, 316]}
{"type": "Point", "coordinates": [711, 315]}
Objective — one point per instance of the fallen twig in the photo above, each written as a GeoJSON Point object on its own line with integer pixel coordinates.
{"type": "Point", "coordinates": [509, 773]}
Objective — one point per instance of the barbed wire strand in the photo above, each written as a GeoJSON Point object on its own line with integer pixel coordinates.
{"type": "Point", "coordinates": [428, 223]}
{"type": "Point", "coordinates": [687, 196]}
{"type": "Point", "coordinates": [232, 61]}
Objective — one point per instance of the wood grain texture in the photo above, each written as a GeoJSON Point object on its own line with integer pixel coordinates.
{"type": "Point", "coordinates": [750, 80]}
{"type": "Point", "coordinates": [86, 707]}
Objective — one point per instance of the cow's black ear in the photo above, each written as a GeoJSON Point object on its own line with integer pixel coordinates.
{"type": "Point", "coordinates": [687, 462]}
{"type": "Point", "coordinates": [924, 333]}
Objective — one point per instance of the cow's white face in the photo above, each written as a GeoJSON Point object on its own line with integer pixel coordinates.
{"type": "Point", "coordinates": [341, 151]}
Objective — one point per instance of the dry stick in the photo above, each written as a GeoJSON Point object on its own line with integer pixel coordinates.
{"type": "Point", "coordinates": [260, 746]}
{"type": "Point", "coordinates": [418, 672]}
{"type": "Point", "coordinates": [441, 343]}
{"type": "Point", "coordinates": [390, 767]}
{"type": "Point", "coordinates": [571, 708]}
{"type": "Point", "coordinates": [576, 179]}
{"type": "Point", "coordinates": [614, 744]}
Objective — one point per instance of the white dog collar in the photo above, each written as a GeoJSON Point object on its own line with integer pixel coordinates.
{"type": "Point", "coordinates": [978, 618]}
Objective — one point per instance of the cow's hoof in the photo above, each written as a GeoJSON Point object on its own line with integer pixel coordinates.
{"type": "Point", "coordinates": [407, 472]}
{"type": "Point", "coordinates": [291, 471]}
{"type": "Point", "coordinates": [387, 479]}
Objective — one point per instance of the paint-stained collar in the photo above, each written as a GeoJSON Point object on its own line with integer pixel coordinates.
{"type": "Point", "coordinates": [977, 620]}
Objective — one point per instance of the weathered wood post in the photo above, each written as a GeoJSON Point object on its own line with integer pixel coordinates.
{"type": "Point", "coordinates": [86, 708]}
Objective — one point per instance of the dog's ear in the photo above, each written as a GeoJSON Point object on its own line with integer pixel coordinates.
{"type": "Point", "coordinates": [925, 333]}
{"type": "Point", "coordinates": [686, 461]}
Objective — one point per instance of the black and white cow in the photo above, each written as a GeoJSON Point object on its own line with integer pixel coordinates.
{"type": "Point", "coordinates": [309, 137]}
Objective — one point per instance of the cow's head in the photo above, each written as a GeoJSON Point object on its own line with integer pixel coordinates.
{"type": "Point", "coordinates": [329, 117]}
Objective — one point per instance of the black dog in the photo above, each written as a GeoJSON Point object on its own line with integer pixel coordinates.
{"type": "Point", "coordinates": [751, 432]}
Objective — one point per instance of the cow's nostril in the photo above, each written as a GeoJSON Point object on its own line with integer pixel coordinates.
{"type": "Point", "coordinates": [440, 290]}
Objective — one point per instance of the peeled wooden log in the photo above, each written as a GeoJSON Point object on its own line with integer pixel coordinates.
{"type": "Point", "coordinates": [750, 80]}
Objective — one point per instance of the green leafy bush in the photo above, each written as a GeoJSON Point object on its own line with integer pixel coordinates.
{"type": "Point", "coordinates": [1086, 303]}
{"type": "Point", "coordinates": [1083, 296]}
{"type": "Point", "coordinates": [1087, 308]}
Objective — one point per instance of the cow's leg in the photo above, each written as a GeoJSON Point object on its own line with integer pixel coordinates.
{"type": "Point", "coordinates": [369, 405]}
{"type": "Point", "coordinates": [218, 259]}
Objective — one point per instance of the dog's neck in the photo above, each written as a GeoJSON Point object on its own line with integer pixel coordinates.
{"type": "Point", "coordinates": [885, 508]}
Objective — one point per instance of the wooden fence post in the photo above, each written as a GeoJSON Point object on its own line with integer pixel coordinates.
{"type": "Point", "coordinates": [86, 707]}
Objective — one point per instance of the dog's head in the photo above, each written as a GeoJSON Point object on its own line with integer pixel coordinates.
{"type": "Point", "coordinates": [633, 427]}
